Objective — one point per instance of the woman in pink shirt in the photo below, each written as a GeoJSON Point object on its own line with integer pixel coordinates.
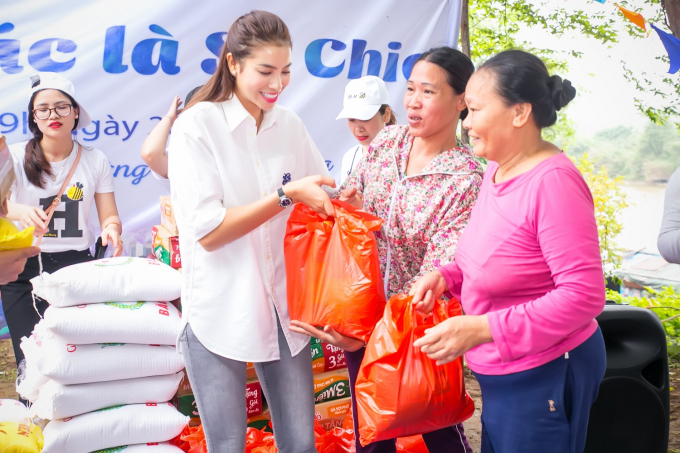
{"type": "Point", "coordinates": [527, 269]}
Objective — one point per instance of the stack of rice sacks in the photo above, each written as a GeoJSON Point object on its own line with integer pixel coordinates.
{"type": "Point", "coordinates": [102, 364]}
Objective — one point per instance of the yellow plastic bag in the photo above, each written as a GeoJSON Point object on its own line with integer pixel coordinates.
{"type": "Point", "coordinates": [11, 238]}
{"type": "Point", "coordinates": [20, 438]}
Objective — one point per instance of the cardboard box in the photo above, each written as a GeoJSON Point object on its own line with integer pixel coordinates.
{"type": "Point", "coordinates": [166, 247]}
{"type": "Point", "coordinates": [167, 215]}
{"type": "Point", "coordinates": [186, 402]}
{"type": "Point", "coordinates": [260, 421]}
{"type": "Point", "coordinates": [184, 385]}
{"type": "Point", "coordinates": [326, 357]}
{"type": "Point", "coordinates": [254, 405]}
{"type": "Point", "coordinates": [331, 414]}
{"type": "Point", "coordinates": [251, 374]}
{"type": "Point", "coordinates": [331, 386]}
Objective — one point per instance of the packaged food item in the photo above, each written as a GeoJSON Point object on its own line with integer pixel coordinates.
{"type": "Point", "coordinates": [399, 390]}
{"type": "Point", "coordinates": [120, 279]}
{"type": "Point", "coordinates": [114, 426]}
{"type": "Point", "coordinates": [331, 414]}
{"type": "Point", "coordinates": [57, 401]}
{"type": "Point", "coordinates": [250, 371]}
{"type": "Point", "coordinates": [14, 411]}
{"type": "Point", "coordinates": [186, 402]}
{"type": "Point", "coordinates": [184, 385]}
{"type": "Point", "coordinates": [333, 270]}
{"type": "Point", "coordinates": [326, 357]}
{"type": "Point", "coordinates": [166, 247]}
{"type": "Point", "coordinates": [332, 385]}
{"type": "Point", "coordinates": [20, 438]}
{"type": "Point", "coordinates": [186, 405]}
{"type": "Point", "coordinates": [11, 238]}
{"type": "Point", "coordinates": [261, 421]}
{"type": "Point", "coordinates": [115, 322]}
{"type": "Point", "coordinates": [167, 215]}
{"type": "Point", "coordinates": [254, 404]}
{"type": "Point", "coordinates": [70, 364]}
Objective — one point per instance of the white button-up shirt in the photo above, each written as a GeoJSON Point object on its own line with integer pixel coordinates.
{"type": "Point", "coordinates": [218, 160]}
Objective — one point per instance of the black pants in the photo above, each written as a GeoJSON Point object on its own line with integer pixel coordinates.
{"type": "Point", "coordinates": [17, 302]}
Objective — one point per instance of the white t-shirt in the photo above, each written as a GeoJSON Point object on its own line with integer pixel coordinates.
{"type": "Point", "coordinates": [350, 161]}
{"type": "Point", "coordinates": [68, 226]}
{"type": "Point", "coordinates": [218, 160]}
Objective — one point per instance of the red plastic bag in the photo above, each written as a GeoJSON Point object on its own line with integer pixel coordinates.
{"type": "Point", "coordinates": [413, 444]}
{"type": "Point", "coordinates": [195, 438]}
{"type": "Point", "coordinates": [260, 441]}
{"type": "Point", "coordinates": [333, 269]}
{"type": "Point", "coordinates": [337, 440]}
{"type": "Point", "coordinates": [399, 390]}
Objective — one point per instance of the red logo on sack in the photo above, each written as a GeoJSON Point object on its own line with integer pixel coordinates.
{"type": "Point", "coordinates": [67, 419]}
{"type": "Point", "coordinates": [151, 404]}
{"type": "Point", "coordinates": [71, 347]}
{"type": "Point", "coordinates": [81, 306]}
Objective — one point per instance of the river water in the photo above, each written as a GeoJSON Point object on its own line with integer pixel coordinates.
{"type": "Point", "coordinates": [642, 218]}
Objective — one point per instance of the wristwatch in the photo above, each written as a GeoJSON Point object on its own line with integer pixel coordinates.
{"type": "Point", "coordinates": [284, 200]}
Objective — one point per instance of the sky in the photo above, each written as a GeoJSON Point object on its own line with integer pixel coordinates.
{"type": "Point", "coordinates": [605, 99]}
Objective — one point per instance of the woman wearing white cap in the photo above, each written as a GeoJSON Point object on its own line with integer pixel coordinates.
{"type": "Point", "coordinates": [366, 107]}
{"type": "Point", "coordinates": [44, 165]}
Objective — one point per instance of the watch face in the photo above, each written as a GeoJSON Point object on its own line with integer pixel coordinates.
{"type": "Point", "coordinates": [285, 202]}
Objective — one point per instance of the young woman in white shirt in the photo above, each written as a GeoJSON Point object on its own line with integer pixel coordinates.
{"type": "Point", "coordinates": [42, 165]}
{"type": "Point", "coordinates": [366, 107]}
{"type": "Point", "coordinates": [237, 162]}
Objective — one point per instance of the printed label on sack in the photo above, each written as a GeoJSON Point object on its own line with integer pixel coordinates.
{"type": "Point", "coordinates": [112, 450]}
{"type": "Point", "coordinates": [126, 306]}
{"type": "Point", "coordinates": [110, 262]}
{"type": "Point", "coordinates": [108, 345]}
{"type": "Point", "coordinates": [106, 409]}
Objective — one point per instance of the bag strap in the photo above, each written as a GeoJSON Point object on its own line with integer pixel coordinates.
{"type": "Point", "coordinates": [50, 209]}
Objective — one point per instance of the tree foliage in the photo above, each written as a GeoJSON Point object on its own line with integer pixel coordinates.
{"type": "Point", "coordinates": [495, 26]}
{"type": "Point", "coordinates": [610, 201]}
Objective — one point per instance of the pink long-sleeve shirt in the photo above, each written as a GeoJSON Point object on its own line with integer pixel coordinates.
{"type": "Point", "coordinates": [529, 259]}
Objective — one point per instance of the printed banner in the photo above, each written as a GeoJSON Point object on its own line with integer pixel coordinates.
{"type": "Point", "coordinates": [127, 59]}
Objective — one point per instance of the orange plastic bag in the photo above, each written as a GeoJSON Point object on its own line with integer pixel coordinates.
{"type": "Point", "coordinates": [399, 390]}
{"type": "Point", "coordinates": [192, 440]}
{"type": "Point", "coordinates": [413, 444]}
{"type": "Point", "coordinates": [260, 441]}
{"type": "Point", "coordinates": [337, 440]}
{"type": "Point", "coordinates": [333, 269]}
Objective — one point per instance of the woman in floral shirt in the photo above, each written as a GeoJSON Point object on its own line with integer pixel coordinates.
{"type": "Point", "coordinates": [422, 181]}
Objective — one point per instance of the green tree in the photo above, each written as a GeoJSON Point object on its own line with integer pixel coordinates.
{"type": "Point", "coordinates": [494, 26]}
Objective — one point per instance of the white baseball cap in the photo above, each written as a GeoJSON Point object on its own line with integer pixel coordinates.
{"type": "Point", "coordinates": [53, 81]}
{"type": "Point", "coordinates": [363, 98]}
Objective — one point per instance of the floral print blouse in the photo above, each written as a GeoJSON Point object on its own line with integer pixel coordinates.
{"type": "Point", "coordinates": [424, 214]}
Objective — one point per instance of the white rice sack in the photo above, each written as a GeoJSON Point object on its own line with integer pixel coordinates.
{"type": "Point", "coordinates": [115, 322]}
{"type": "Point", "coordinates": [70, 364]}
{"type": "Point", "coordinates": [58, 401]}
{"type": "Point", "coordinates": [29, 379]}
{"type": "Point", "coordinates": [153, 447]}
{"type": "Point", "coordinates": [121, 279]}
{"type": "Point", "coordinates": [14, 411]}
{"type": "Point", "coordinates": [115, 426]}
